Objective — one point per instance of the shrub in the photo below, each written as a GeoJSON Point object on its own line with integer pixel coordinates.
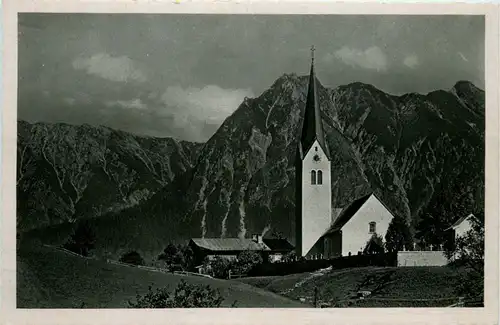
{"type": "Point", "coordinates": [246, 261]}
{"type": "Point", "coordinates": [132, 258]}
{"type": "Point", "coordinates": [375, 245]}
{"type": "Point", "coordinates": [175, 256]}
{"type": "Point", "coordinates": [468, 253]}
{"type": "Point", "coordinates": [289, 257]}
{"type": "Point", "coordinates": [185, 295]}
{"type": "Point", "coordinates": [83, 239]}
{"type": "Point", "coordinates": [398, 235]}
{"type": "Point", "coordinates": [220, 267]}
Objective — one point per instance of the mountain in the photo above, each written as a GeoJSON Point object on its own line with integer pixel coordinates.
{"type": "Point", "coordinates": [405, 148]}
{"type": "Point", "coordinates": [408, 149]}
{"type": "Point", "coordinates": [67, 172]}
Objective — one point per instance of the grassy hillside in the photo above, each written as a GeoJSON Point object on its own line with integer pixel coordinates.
{"type": "Point", "coordinates": [48, 278]}
{"type": "Point", "coordinates": [390, 286]}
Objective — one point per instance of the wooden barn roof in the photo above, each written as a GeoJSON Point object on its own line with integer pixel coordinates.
{"type": "Point", "coordinates": [229, 244]}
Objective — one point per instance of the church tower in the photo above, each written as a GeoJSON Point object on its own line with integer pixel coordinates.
{"type": "Point", "coordinates": [313, 176]}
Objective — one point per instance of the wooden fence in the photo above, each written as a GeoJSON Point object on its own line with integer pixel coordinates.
{"type": "Point", "coordinates": [144, 267]}
{"type": "Point", "coordinates": [235, 276]}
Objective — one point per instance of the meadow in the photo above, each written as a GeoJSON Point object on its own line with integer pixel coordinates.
{"type": "Point", "coordinates": [389, 286]}
{"type": "Point", "coordinates": [49, 278]}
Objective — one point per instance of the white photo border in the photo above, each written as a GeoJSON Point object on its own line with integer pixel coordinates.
{"type": "Point", "coordinates": [10, 315]}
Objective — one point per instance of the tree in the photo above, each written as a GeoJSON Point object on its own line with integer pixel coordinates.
{"type": "Point", "coordinates": [83, 238]}
{"type": "Point", "coordinates": [188, 257]}
{"type": "Point", "coordinates": [220, 267]}
{"type": "Point", "coordinates": [177, 255]}
{"type": "Point", "coordinates": [468, 253]}
{"type": "Point", "coordinates": [245, 261]}
{"type": "Point", "coordinates": [132, 258]}
{"type": "Point", "coordinates": [450, 202]}
{"type": "Point", "coordinates": [398, 235]}
{"type": "Point", "coordinates": [375, 245]}
{"type": "Point", "coordinates": [431, 229]}
{"type": "Point", "coordinates": [185, 295]}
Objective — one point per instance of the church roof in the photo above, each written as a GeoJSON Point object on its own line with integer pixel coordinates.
{"type": "Point", "coordinates": [347, 213]}
{"type": "Point", "coordinates": [312, 126]}
{"type": "Point", "coordinates": [229, 244]}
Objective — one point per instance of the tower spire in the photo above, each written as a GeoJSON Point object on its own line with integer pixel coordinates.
{"type": "Point", "coordinates": [312, 127]}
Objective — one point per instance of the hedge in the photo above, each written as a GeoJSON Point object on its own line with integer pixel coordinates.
{"type": "Point", "coordinates": [271, 269]}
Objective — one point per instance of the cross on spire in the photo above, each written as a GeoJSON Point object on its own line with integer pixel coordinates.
{"type": "Point", "coordinates": [312, 52]}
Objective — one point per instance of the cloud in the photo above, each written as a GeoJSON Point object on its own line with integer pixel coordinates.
{"type": "Point", "coordinates": [372, 58]}
{"type": "Point", "coordinates": [192, 109]}
{"type": "Point", "coordinates": [328, 58]}
{"type": "Point", "coordinates": [411, 61]}
{"type": "Point", "coordinates": [120, 69]}
{"type": "Point", "coordinates": [131, 104]}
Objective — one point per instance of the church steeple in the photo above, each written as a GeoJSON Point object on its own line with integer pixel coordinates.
{"type": "Point", "coordinates": [313, 190]}
{"type": "Point", "coordinates": [312, 127]}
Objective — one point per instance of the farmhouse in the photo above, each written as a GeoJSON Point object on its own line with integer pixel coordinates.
{"type": "Point", "coordinates": [319, 232]}
{"type": "Point", "coordinates": [279, 247]}
{"type": "Point", "coordinates": [272, 249]}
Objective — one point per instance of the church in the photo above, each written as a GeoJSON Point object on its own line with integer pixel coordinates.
{"type": "Point", "coordinates": [321, 231]}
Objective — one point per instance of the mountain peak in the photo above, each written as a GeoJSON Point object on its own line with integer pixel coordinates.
{"type": "Point", "coordinates": [464, 85]}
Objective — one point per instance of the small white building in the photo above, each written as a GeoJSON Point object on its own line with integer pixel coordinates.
{"type": "Point", "coordinates": [462, 225]}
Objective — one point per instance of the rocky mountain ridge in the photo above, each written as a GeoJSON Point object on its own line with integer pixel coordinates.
{"type": "Point", "coordinates": [401, 147]}
{"type": "Point", "coordinates": [407, 149]}
{"type": "Point", "coordinates": [66, 172]}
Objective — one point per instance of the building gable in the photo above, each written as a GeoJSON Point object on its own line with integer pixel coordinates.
{"type": "Point", "coordinates": [357, 223]}
{"type": "Point", "coordinates": [463, 225]}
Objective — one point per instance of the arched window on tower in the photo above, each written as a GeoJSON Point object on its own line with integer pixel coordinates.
{"type": "Point", "coordinates": [320, 177]}
{"type": "Point", "coordinates": [313, 177]}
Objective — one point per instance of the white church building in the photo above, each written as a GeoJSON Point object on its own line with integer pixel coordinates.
{"type": "Point", "coordinates": [322, 231]}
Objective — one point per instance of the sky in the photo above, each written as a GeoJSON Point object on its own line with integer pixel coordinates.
{"type": "Point", "coordinates": [180, 76]}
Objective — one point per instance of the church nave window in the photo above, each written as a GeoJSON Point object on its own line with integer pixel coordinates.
{"type": "Point", "coordinates": [313, 177]}
{"type": "Point", "coordinates": [320, 177]}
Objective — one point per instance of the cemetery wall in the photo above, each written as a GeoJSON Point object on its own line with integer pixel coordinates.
{"type": "Point", "coordinates": [422, 258]}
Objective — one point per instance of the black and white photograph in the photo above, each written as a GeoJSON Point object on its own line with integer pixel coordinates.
{"type": "Point", "coordinates": [182, 160]}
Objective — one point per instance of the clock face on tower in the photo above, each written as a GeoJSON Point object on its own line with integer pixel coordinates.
{"type": "Point", "coordinates": [316, 158]}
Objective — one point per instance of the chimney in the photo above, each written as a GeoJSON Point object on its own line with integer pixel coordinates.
{"type": "Point", "coordinates": [257, 238]}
